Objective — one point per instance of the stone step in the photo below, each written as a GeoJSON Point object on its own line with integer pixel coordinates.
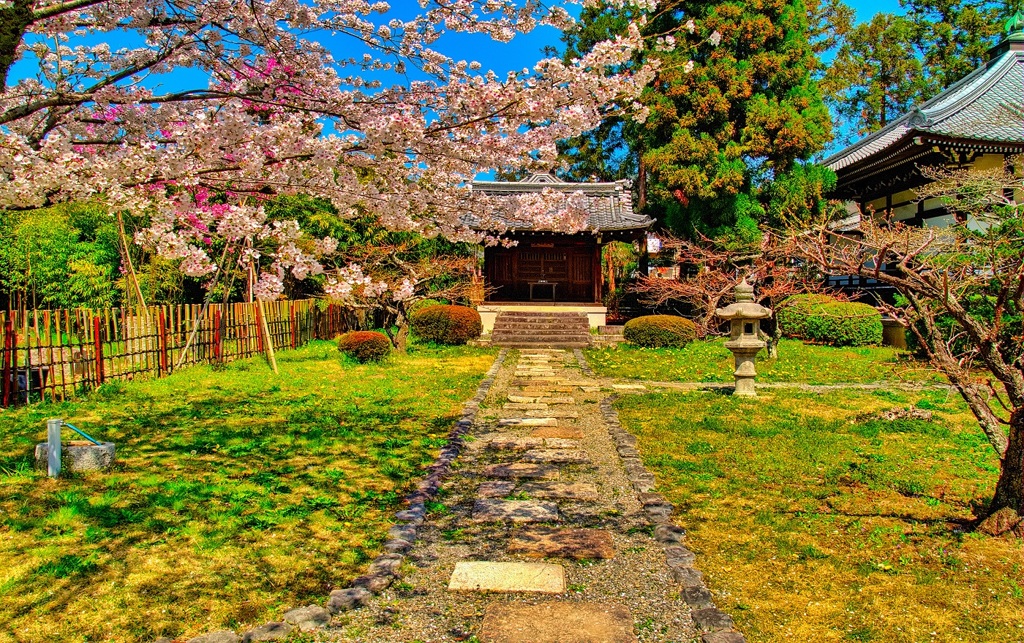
{"type": "Point", "coordinates": [556, 456]}
{"type": "Point", "coordinates": [486, 576]}
{"type": "Point", "coordinates": [579, 491]}
{"type": "Point", "coordinates": [557, 622]}
{"type": "Point", "coordinates": [521, 344]}
{"type": "Point", "coordinates": [547, 335]}
{"type": "Point", "coordinates": [526, 314]}
{"type": "Point", "coordinates": [575, 544]}
{"type": "Point", "coordinates": [541, 323]}
{"type": "Point", "coordinates": [532, 421]}
{"type": "Point", "coordinates": [516, 511]}
{"type": "Point", "coordinates": [520, 470]}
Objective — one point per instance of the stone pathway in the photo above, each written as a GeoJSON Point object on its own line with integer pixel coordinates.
{"type": "Point", "coordinates": [544, 532]}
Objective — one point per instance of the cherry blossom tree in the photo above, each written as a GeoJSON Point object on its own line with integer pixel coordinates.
{"type": "Point", "coordinates": [346, 100]}
{"type": "Point", "coordinates": [391, 278]}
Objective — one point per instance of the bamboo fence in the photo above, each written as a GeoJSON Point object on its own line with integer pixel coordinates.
{"type": "Point", "coordinates": [57, 354]}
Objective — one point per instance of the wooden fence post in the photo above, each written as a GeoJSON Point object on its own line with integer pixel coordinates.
{"type": "Point", "coordinates": [218, 337]}
{"type": "Point", "coordinates": [10, 344]}
{"type": "Point", "coordinates": [162, 341]}
{"type": "Point", "coordinates": [97, 340]}
{"type": "Point", "coordinates": [259, 327]}
{"type": "Point", "coordinates": [295, 330]}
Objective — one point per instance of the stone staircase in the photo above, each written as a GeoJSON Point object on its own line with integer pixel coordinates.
{"type": "Point", "coordinates": [541, 330]}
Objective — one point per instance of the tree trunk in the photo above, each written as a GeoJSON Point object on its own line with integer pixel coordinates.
{"type": "Point", "coordinates": [773, 338]}
{"type": "Point", "coordinates": [1010, 488]}
{"type": "Point", "coordinates": [402, 337]}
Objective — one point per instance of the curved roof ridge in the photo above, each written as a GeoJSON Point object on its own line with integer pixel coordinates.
{"type": "Point", "coordinates": [929, 114]}
{"type": "Point", "coordinates": [961, 91]}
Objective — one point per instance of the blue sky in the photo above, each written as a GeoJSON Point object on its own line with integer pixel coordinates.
{"type": "Point", "coordinates": [521, 53]}
{"type": "Point", "coordinates": [525, 50]}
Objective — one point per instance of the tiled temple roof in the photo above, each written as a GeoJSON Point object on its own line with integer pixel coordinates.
{"type": "Point", "coordinates": [609, 205]}
{"type": "Point", "coordinates": [985, 106]}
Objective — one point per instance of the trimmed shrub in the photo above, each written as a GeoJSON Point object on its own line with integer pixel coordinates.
{"type": "Point", "coordinates": [657, 331]}
{"type": "Point", "coordinates": [791, 315]}
{"type": "Point", "coordinates": [365, 345]}
{"type": "Point", "coordinates": [446, 324]}
{"type": "Point", "coordinates": [423, 303]}
{"type": "Point", "coordinates": [844, 324]}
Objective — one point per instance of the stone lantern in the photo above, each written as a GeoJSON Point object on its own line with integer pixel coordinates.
{"type": "Point", "coordinates": [745, 317]}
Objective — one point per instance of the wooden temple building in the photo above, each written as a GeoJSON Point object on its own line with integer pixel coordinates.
{"type": "Point", "coordinates": [976, 122]}
{"type": "Point", "coordinates": [553, 271]}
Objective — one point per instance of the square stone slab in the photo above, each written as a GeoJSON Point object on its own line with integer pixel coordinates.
{"type": "Point", "coordinates": [565, 432]}
{"type": "Point", "coordinates": [553, 413]}
{"type": "Point", "coordinates": [577, 544]}
{"type": "Point", "coordinates": [491, 510]}
{"type": "Point", "coordinates": [528, 422]}
{"type": "Point", "coordinates": [561, 491]}
{"type": "Point", "coordinates": [546, 390]}
{"type": "Point", "coordinates": [556, 456]}
{"type": "Point", "coordinates": [524, 406]}
{"type": "Point", "coordinates": [496, 488]}
{"type": "Point", "coordinates": [484, 576]}
{"type": "Point", "coordinates": [523, 444]}
{"type": "Point", "coordinates": [522, 399]}
{"type": "Point", "coordinates": [520, 470]}
{"type": "Point", "coordinates": [557, 622]}
{"type": "Point", "coordinates": [544, 399]}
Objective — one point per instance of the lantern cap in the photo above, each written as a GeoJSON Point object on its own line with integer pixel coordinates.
{"type": "Point", "coordinates": [744, 307]}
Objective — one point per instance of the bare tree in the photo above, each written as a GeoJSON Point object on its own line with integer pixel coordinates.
{"type": "Point", "coordinates": [709, 272]}
{"type": "Point", "coordinates": [961, 295]}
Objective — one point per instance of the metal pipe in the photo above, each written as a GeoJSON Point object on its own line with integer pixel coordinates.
{"type": "Point", "coordinates": [53, 447]}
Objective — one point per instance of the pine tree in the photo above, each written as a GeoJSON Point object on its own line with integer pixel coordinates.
{"type": "Point", "coordinates": [953, 36]}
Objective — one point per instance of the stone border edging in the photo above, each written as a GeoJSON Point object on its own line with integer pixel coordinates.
{"type": "Point", "coordinates": [383, 571]}
{"type": "Point", "coordinates": [584, 365]}
{"type": "Point", "coordinates": [716, 625]}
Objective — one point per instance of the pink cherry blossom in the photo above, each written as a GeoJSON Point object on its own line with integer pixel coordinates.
{"type": "Point", "coordinates": [282, 113]}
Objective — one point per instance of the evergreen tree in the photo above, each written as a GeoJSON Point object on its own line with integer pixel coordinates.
{"type": "Point", "coordinates": [886, 66]}
{"type": "Point", "coordinates": [606, 153]}
{"type": "Point", "coordinates": [953, 36]}
{"type": "Point", "coordinates": [734, 108]}
{"type": "Point", "coordinates": [876, 74]}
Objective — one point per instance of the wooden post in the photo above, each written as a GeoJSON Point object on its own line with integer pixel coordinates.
{"type": "Point", "coordinates": [270, 339]}
{"type": "Point", "coordinates": [162, 341]}
{"type": "Point", "coordinates": [97, 340]}
{"type": "Point", "coordinates": [10, 345]}
{"type": "Point", "coordinates": [218, 337]}
{"type": "Point", "coordinates": [258, 312]}
{"type": "Point", "coordinates": [291, 316]}
{"type": "Point", "coordinates": [53, 428]}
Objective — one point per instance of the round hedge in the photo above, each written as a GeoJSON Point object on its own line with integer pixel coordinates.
{"type": "Point", "coordinates": [446, 324]}
{"type": "Point", "coordinates": [365, 345]}
{"type": "Point", "coordinates": [657, 331]}
{"type": "Point", "coordinates": [844, 324]}
{"type": "Point", "coordinates": [791, 314]}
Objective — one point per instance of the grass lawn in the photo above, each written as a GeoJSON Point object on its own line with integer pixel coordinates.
{"type": "Point", "coordinates": [711, 361]}
{"type": "Point", "coordinates": [236, 493]}
{"type": "Point", "coordinates": [813, 522]}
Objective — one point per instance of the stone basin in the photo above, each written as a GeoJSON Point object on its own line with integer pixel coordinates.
{"type": "Point", "coordinates": [79, 455]}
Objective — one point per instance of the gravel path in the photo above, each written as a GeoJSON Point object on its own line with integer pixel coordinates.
{"type": "Point", "coordinates": [541, 480]}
